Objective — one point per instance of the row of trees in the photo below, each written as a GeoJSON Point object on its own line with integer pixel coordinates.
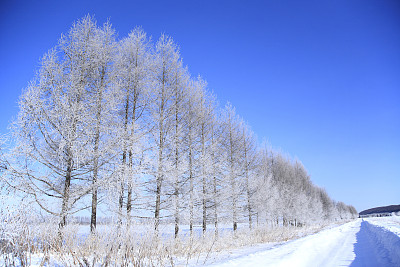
{"type": "Point", "coordinates": [122, 125]}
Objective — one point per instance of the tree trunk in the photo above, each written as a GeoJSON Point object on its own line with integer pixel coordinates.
{"type": "Point", "coordinates": [129, 197]}
{"type": "Point", "coordinates": [214, 182]}
{"type": "Point", "coordinates": [233, 186]}
{"type": "Point", "coordinates": [191, 200]}
{"type": "Point", "coordinates": [204, 179]}
{"type": "Point", "coordinates": [67, 184]}
{"type": "Point", "coordinates": [124, 156]}
{"type": "Point", "coordinates": [130, 165]}
{"type": "Point", "coordinates": [160, 153]}
{"type": "Point", "coordinates": [158, 191]}
{"type": "Point", "coordinates": [215, 205]}
{"type": "Point", "coordinates": [176, 183]}
{"type": "Point", "coordinates": [93, 217]}
{"type": "Point", "coordinates": [247, 180]}
{"type": "Point", "coordinates": [122, 189]}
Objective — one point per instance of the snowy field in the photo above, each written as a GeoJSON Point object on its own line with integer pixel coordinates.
{"type": "Point", "coordinates": [363, 242]}
{"type": "Point", "coordinates": [368, 242]}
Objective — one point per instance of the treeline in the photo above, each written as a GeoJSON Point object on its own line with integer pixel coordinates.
{"type": "Point", "coordinates": [384, 209]}
{"type": "Point", "coordinates": [121, 124]}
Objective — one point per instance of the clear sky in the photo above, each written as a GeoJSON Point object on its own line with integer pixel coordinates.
{"type": "Point", "coordinates": [318, 79]}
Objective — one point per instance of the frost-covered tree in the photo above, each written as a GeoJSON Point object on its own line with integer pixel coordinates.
{"type": "Point", "coordinates": [232, 145]}
{"type": "Point", "coordinates": [206, 170]}
{"type": "Point", "coordinates": [101, 102]}
{"type": "Point", "coordinates": [250, 163]}
{"type": "Point", "coordinates": [124, 120]}
{"type": "Point", "coordinates": [214, 161]}
{"type": "Point", "coordinates": [191, 148]}
{"type": "Point", "coordinates": [133, 86]}
{"type": "Point", "coordinates": [180, 99]}
{"type": "Point", "coordinates": [53, 157]}
{"type": "Point", "coordinates": [166, 63]}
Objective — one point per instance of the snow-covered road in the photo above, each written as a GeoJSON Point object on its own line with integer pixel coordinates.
{"type": "Point", "coordinates": [358, 243]}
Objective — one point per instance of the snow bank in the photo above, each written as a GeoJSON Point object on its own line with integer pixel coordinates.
{"type": "Point", "coordinates": [356, 244]}
{"type": "Point", "coordinates": [376, 246]}
{"type": "Point", "coordinates": [331, 247]}
{"type": "Point", "coordinates": [391, 223]}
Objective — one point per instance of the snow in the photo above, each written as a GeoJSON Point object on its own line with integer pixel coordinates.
{"type": "Point", "coordinates": [369, 242]}
{"type": "Point", "coordinates": [391, 224]}
{"type": "Point", "coordinates": [363, 242]}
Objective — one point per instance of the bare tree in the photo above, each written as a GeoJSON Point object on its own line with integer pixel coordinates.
{"type": "Point", "coordinates": [232, 145]}
{"type": "Point", "coordinates": [102, 104]}
{"type": "Point", "coordinates": [180, 95]}
{"type": "Point", "coordinates": [250, 164]}
{"type": "Point", "coordinates": [133, 84]}
{"type": "Point", "coordinates": [53, 133]}
{"type": "Point", "coordinates": [167, 62]}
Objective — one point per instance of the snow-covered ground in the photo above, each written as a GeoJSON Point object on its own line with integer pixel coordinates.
{"type": "Point", "coordinates": [363, 242]}
{"type": "Point", "coordinates": [368, 242]}
{"type": "Point", "coordinates": [391, 224]}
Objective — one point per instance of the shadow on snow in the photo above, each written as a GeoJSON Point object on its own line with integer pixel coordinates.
{"type": "Point", "coordinates": [376, 246]}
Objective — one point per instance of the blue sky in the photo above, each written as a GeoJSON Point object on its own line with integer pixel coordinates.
{"type": "Point", "coordinates": [318, 79]}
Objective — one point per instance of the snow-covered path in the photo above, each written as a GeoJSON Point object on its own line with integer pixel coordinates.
{"type": "Point", "coordinates": [357, 243]}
